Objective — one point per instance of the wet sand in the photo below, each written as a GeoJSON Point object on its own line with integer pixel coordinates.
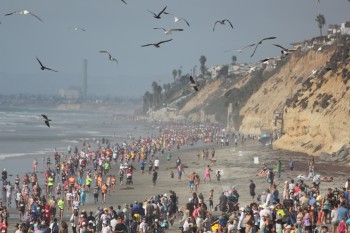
{"type": "Point", "coordinates": [237, 164]}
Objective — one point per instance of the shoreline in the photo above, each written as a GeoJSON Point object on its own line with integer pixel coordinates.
{"type": "Point", "coordinates": [237, 165]}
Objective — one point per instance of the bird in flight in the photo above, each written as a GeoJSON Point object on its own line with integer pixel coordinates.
{"type": "Point", "coordinates": [168, 32]}
{"type": "Point", "coordinates": [46, 120]}
{"type": "Point", "coordinates": [24, 12]}
{"type": "Point", "coordinates": [157, 45]}
{"type": "Point", "coordinates": [109, 56]}
{"type": "Point", "coordinates": [124, 2]}
{"type": "Point", "coordinates": [177, 19]}
{"type": "Point", "coordinates": [157, 16]}
{"type": "Point", "coordinates": [222, 22]}
{"type": "Point", "coordinates": [44, 67]}
{"type": "Point", "coordinates": [260, 42]}
{"type": "Point", "coordinates": [79, 29]}
{"type": "Point", "coordinates": [193, 84]}
{"type": "Point", "coordinates": [241, 50]}
{"type": "Point", "coordinates": [284, 50]}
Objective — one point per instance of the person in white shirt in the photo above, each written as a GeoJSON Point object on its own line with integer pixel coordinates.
{"type": "Point", "coordinates": [156, 163]}
{"type": "Point", "coordinates": [241, 225]}
{"type": "Point", "coordinates": [105, 227]}
{"type": "Point", "coordinates": [143, 227]}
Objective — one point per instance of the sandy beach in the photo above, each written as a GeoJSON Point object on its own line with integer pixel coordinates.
{"type": "Point", "coordinates": [236, 163]}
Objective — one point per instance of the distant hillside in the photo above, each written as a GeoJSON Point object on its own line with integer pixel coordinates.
{"type": "Point", "coordinates": [302, 99]}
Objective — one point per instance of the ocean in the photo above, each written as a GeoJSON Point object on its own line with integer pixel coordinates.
{"type": "Point", "coordinates": [24, 135]}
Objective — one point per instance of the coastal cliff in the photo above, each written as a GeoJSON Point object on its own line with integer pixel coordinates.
{"type": "Point", "coordinates": [302, 99]}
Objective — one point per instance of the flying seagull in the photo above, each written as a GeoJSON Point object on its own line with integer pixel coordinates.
{"type": "Point", "coordinates": [177, 19]}
{"type": "Point", "coordinates": [79, 29]}
{"type": "Point", "coordinates": [24, 12]}
{"type": "Point", "coordinates": [241, 50]}
{"type": "Point", "coordinates": [157, 16]}
{"type": "Point", "coordinates": [168, 32]}
{"type": "Point", "coordinates": [222, 22]}
{"type": "Point", "coordinates": [260, 42]}
{"type": "Point", "coordinates": [284, 50]}
{"type": "Point", "coordinates": [193, 84]}
{"type": "Point", "coordinates": [109, 56]}
{"type": "Point", "coordinates": [44, 67]}
{"type": "Point", "coordinates": [157, 45]}
{"type": "Point", "coordinates": [266, 59]}
{"type": "Point", "coordinates": [46, 120]}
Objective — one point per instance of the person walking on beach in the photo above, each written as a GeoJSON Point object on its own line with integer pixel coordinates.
{"type": "Point", "coordinates": [61, 205]}
{"type": "Point", "coordinates": [180, 170]}
{"type": "Point", "coordinates": [291, 167]}
{"type": "Point", "coordinates": [278, 168]}
{"type": "Point", "coordinates": [154, 177]}
{"type": "Point", "coordinates": [252, 189]}
{"type": "Point", "coordinates": [35, 165]}
{"type": "Point", "coordinates": [218, 176]}
{"type": "Point", "coordinates": [156, 164]}
{"type": "Point", "coordinates": [191, 181]}
{"type": "Point", "coordinates": [207, 173]}
{"type": "Point", "coordinates": [150, 166]}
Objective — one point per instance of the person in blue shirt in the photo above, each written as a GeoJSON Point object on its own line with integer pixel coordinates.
{"type": "Point", "coordinates": [342, 212]}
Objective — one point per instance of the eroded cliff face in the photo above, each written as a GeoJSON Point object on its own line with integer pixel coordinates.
{"type": "Point", "coordinates": [312, 90]}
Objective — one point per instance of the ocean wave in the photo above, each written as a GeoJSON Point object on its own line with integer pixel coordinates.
{"type": "Point", "coordinates": [11, 155]}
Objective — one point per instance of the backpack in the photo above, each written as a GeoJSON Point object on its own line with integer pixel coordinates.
{"type": "Point", "coordinates": [55, 228]}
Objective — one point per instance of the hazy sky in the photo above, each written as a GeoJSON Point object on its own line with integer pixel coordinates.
{"type": "Point", "coordinates": [122, 29]}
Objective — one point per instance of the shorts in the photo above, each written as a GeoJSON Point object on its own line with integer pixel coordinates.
{"type": "Point", "coordinates": [291, 168]}
{"type": "Point", "coordinates": [191, 184]}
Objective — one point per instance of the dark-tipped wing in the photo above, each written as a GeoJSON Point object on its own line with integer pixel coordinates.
{"type": "Point", "coordinates": [279, 46]}
{"type": "Point", "coordinates": [247, 46]}
{"type": "Point", "coordinates": [152, 13]}
{"type": "Point", "coordinates": [145, 45]}
{"type": "Point", "coordinates": [160, 28]}
{"type": "Point", "coordinates": [11, 13]}
{"type": "Point", "coordinates": [228, 22]}
{"type": "Point", "coordinates": [255, 49]}
{"type": "Point", "coordinates": [164, 41]}
{"type": "Point", "coordinates": [47, 123]}
{"type": "Point", "coordinates": [215, 24]}
{"type": "Point", "coordinates": [124, 2]}
{"type": "Point", "coordinates": [50, 69]}
{"type": "Point", "coordinates": [195, 88]}
{"type": "Point", "coordinates": [267, 38]}
{"type": "Point", "coordinates": [185, 21]}
{"type": "Point", "coordinates": [192, 80]}
{"type": "Point", "coordinates": [40, 65]}
{"type": "Point", "coordinates": [162, 11]}
{"type": "Point", "coordinates": [45, 117]}
{"type": "Point", "coordinates": [36, 16]}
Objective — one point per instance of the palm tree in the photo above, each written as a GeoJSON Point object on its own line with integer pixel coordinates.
{"type": "Point", "coordinates": [234, 59]}
{"type": "Point", "coordinates": [174, 74]}
{"type": "Point", "coordinates": [321, 21]}
{"type": "Point", "coordinates": [202, 61]}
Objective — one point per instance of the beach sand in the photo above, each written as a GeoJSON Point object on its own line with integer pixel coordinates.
{"type": "Point", "coordinates": [237, 164]}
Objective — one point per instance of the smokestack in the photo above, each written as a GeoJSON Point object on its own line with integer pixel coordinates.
{"type": "Point", "coordinates": [84, 89]}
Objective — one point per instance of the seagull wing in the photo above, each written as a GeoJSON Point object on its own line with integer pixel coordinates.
{"type": "Point", "coordinates": [41, 64]}
{"type": "Point", "coordinates": [279, 46]}
{"type": "Point", "coordinates": [161, 28]}
{"type": "Point", "coordinates": [152, 13]}
{"type": "Point", "coordinates": [162, 11]}
{"type": "Point", "coordinates": [247, 46]}
{"type": "Point", "coordinates": [164, 41]}
{"type": "Point", "coordinates": [192, 80]}
{"type": "Point", "coordinates": [36, 16]}
{"type": "Point", "coordinates": [228, 22]}
{"type": "Point", "coordinates": [195, 88]}
{"type": "Point", "coordinates": [267, 38]}
{"type": "Point", "coordinates": [147, 45]}
{"type": "Point", "coordinates": [45, 117]}
{"type": "Point", "coordinates": [47, 123]}
{"type": "Point", "coordinates": [255, 49]}
{"type": "Point", "coordinates": [124, 2]}
{"type": "Point", "coordinates": [185, 21]}
{"type": "Point", "coordinates": [113, 59]}
{"type": "Point", "coordinates": [175, 30]}
{"type": "Point", "coordinates": [50, 69]}
{"type": "Point", "coordinates": [15, 12]}
{"type": "Point", "coordinates": [215, 24]}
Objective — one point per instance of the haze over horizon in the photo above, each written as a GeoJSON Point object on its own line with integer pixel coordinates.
{"type": "Point", "coordinates": [122, 29]}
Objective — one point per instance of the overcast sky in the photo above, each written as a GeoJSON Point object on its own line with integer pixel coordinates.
{"type": "Point", "coordinates": [122, 29]}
